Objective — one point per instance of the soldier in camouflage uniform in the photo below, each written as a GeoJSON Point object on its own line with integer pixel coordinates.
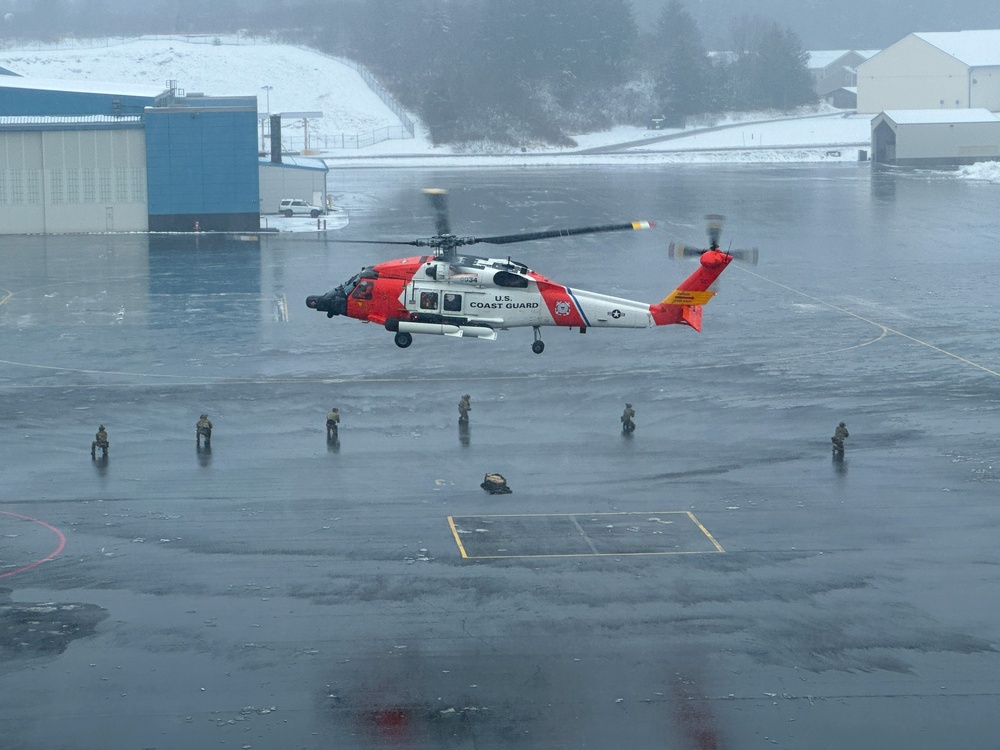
{"type": "Point", "coordinates": [204, 430]}
{"type": "Point", "coordinates": [838, 438]}
{"type": "Point", "coordinates": [464, 407]}
{"type": "Point", "coordinates": [100, 441]}
{"type": "Point", "coordinates": [628, 425]}
{"type": "Point", "coordinates": [332, 423]}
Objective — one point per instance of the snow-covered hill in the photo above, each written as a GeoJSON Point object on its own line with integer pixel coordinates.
{"type": "Point", "coordinates": [305, 80]}
{"type": "Point", "coordinates": [300, 79]}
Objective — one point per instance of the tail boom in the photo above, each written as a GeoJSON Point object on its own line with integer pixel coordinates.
{"type": "Point", "coordinates": [683, 305]}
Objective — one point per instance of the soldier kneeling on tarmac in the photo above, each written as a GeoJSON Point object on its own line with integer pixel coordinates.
{"type": "Point", "coordinates": [495, 484]}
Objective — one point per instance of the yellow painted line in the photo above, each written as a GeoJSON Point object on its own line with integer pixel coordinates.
{"type": "Point", "coordinates": [454, 532]}
{"type": "Point", "coordinates": [589, 554]}
{"type": "Point", "coordinates": [705, 531]}
{"type": "Point", "coordinates": [7, 295]}
{"type": "Point", "coordinates": [579, 515]}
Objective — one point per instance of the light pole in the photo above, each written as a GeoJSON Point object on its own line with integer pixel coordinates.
{"type": "Point", "coordinates": [267, 90]}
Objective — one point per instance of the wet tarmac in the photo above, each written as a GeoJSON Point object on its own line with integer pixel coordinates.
{"type": "Point", "coordinates": [715, 580]}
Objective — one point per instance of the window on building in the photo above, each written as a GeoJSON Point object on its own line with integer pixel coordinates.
{"type": "Point", "coordinates": [138, 185]}
{"type": "Point", "coordinates": [56, 194]}
{"type": "Point", "coordinates": [16, 187]}
{"type": "Point", "coordinates": [121, 185]}
{"type": "Point", "coordinates": [72, 185]}
{"type": "Point", "coordinates": [89, 181]}
{"type": "Point", "coordinates": [104, 184]}
{"type": "Point", "coordinates": [33, 186]}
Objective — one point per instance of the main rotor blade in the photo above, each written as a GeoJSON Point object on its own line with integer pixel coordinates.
{"type": "Point", "coordinates": [439, 201]}
{"type": "Point", "coordinates": [506, 239]}
{"type": "Point", "coordinates": [415, 243]}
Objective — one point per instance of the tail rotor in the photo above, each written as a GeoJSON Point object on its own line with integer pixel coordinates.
{"type": "Point", "coordinates": [713, 227]}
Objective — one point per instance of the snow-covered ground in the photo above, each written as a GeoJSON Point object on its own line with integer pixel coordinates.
{"type": "Point", "coordinates": [286, 78]}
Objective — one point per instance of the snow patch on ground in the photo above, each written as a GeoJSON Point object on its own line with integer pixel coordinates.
{"type": "Point", "coordinates": [988, 171]}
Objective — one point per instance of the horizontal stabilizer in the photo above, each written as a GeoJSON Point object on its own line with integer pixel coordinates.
{"type": "Point", "coordinates": [685, 297]}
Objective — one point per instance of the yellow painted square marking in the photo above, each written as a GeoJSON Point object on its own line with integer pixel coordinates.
{"type": "Point", "coordinates": [671, 532]}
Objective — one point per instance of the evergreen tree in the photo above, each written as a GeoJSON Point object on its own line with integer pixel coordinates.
{"type": "Point", "coordinates": [771, 67]}
{"type": "Point", "coordinates": [681, 68]}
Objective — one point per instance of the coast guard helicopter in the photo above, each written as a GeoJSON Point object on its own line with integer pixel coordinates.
{"type": "Point", "coordinates": [449, 293]}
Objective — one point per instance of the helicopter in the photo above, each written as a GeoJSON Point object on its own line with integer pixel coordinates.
{"type": "Point", "coordinates": [450, 293]}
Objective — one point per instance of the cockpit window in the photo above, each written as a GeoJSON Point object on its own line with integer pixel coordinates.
{"type": "Point", "coordinates": [363, 290]}
{"type": "Point", "coordinates": [506, 278]}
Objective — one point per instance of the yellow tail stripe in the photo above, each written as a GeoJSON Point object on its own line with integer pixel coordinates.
{"type": "Point", "coordinates": [681, 297]}
{"type": "Point", "coordinates": [641, 225]}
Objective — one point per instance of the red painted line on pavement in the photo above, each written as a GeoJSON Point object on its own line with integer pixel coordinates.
{"type": "Point", "coordinates": [51, 555]}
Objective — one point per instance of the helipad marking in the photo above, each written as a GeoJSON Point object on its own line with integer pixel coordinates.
{"type": "Point", "coordinates": [50, 556]}
{"type": "Point", "coordinates": [474, 534]}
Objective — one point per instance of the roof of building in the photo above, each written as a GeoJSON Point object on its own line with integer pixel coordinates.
{"type": "Point", "coordinates": [824, 57]}
{"type": "Point", "coordinates": [297, 162]}
{"type": "Point", "coordinates": [977, 49]}
{"type": "Point", "coordinates": [68, 119]}
{"type": "Point", "coordinates": [83, 87]}
{"type": "Point", "coordinates": [53, 122]}
{"type": "Point", "coordinates": [938, 116]}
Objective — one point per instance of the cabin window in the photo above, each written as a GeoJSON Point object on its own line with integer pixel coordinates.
{"type": "Point", "coordinates": [428, 300]}
{"type": "Point", "coordinates": [363, 290]}
{"type": "Point", "coordinates": [506, 278]}
{"type": "Point", "coordinates": [452, 302]}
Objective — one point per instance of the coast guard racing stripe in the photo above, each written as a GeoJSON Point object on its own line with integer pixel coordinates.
{"type": "Point", "coordinates": [561, 304]}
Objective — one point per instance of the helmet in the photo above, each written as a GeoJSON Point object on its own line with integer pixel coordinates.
{"type": "Point", "coordinates": [204, 416]}
{"type": "Point", "coordinates": [100, 427]}
{"type": "Point", "coordinates": [842, 424]}
{"type": "Point", "coordinates": [334, 409]}
{"type": "Point", "coordinates": [466, 396]}
{"type": "Point", "coordinates": [628, 406]}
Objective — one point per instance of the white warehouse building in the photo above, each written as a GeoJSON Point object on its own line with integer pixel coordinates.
{"type": "Point", "coordinates": [935, 138]}
{"type": "Point", "coordinates": [933, 70]}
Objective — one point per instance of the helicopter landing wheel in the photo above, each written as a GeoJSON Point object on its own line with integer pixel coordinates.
{"type": "Point", "coordinates": [403, 339]}
{"type": "Point", "coordinates": [538, 346]}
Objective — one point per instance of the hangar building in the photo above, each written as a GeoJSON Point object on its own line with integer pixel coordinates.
{"type": "Point", "coordinates": [91, 157]}
{"type": "Point", "coordinates": [933, 70]}
{"type": "Point", "coordinates": [934, 138]}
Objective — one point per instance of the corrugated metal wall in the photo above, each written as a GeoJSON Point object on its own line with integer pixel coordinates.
{"type": "Point", "coordinates": [202, 166]}
{"type": "Point", "coordinates": [90, 180]}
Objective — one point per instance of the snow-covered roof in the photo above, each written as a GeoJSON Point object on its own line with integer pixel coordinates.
{"type": "Point", "coordinates": [977, 49]}
{"type": "Point", "coordinates": [938, 116]}
{"type": "Point", "coordinates": [84, 87]}
{"type": "Point", "coordinates": [824, 57]}
{"type": "Point", "coordinates": [69, 120]}
{"type": "Point", "coordinates": [298, 162]}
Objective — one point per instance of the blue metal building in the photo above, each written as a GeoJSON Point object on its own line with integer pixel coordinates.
{"type": "Point", "coordinates": [201, 164]}
{"type": "Point", "coordinates": [194, 166]}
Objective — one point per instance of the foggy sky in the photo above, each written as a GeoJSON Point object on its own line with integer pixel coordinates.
{"type": "Point", "coordinates": [835, 24]}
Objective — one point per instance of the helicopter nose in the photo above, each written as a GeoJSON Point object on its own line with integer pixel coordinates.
{"type": "Point", "coordinates": [332, 303]}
